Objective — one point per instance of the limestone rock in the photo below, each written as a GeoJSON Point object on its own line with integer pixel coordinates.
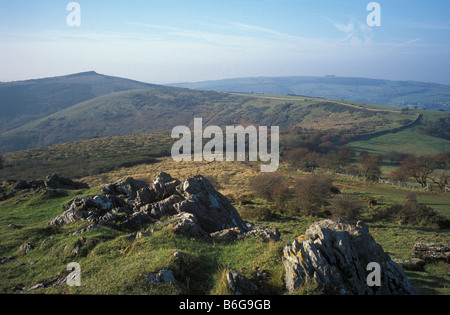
{"type": "Point", "coordinates": [335, 256]}
{"type": "Point", "coordinates": [212, 210]}
{"type": "Point", "coordinates": [128, 187]}
{"type": "Point", "coordinates": [194, 208]}
{"type": "Point", "coordinates": [186, 224]}
{"type": "Point", "coordinates": [414, 264]}
{"type": "Point", "coordinates": [431, 252]}
{"type": "Point", "coordinates": [165, 276]}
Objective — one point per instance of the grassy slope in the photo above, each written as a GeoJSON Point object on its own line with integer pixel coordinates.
{"type": "Point", "coordinates": [22, 102]}
{"type": "Point", "coordinates": [160, 109]}
{"type": "Point", "coordinates": [411, 140]}
{"type": "Point", "coordinates": [113, 264]}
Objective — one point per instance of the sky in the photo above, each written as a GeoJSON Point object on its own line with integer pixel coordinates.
{"type": "Point", "coordinates": [171, 41]}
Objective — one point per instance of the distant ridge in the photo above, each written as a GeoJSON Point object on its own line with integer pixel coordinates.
{"type": "Point", "coordinates": [365, 90]}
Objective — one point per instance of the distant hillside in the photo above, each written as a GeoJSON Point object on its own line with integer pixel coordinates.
{"type": "Point", "coordinates": [161, 108]}
{"type": "Point", "coordinates": [58, 110]}
{"type": "Point", "coordinates": [373, 91]}
{"type": "Point", "coordinates": [22, 102]}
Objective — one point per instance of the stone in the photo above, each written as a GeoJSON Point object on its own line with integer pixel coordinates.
{"type": "Point", "coordinates": [26, 248]}
{"type": "Point", "coordinates": [4, 260]}
{"type": "Point", "coordinates": [164, 276]}
{"type": "Point", "coordinates": [186, 224]}
{"type": "Point", "coordinates": [335, 256]}
{"type": "Point", "coordinates": [431, 252]}
{"type": "Point", "coordinates": [78, 244]}
{"type": "Point", "coordinates": [265, 233]}
{"type": "Point", "coordinates": [240, 285]}
{"type": "Point", "coordinates": [21, 185]}
{"type": "Point", "coordinates": [164, 185]}
{"type": "Point", "coordinates": [414, 264]}
{"type": "Point", "coordinates": [194, 207]}
{"type": "Point", "coordinates": [164, 208]}
{"type": "Point", "coordinates": [145, 196]}
{"type": "Point", "coordinates": [227, 234]}
{"type": "Point", "coordinates": [212, 210]}
{"type": "Point", "coordinates": [127, 186]}
{"type": "Point", "coordinates": [55, 181]}
{"type": "Point", "coordinates": [91, 208]}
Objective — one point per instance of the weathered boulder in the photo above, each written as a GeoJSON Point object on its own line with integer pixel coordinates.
{"type": "Point", "coordinates": [336, 256]}
{"type": "Point", "coordinates": [55, 181]}
{"type": "Point", "coordinates": [431, 252]}
{"type": "Point", "coordinates": [212, 210]}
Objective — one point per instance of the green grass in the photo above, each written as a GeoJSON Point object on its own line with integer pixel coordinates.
{"type": "Point", "coordinates": [114, 264]}
{"type": "Point", "coordinates": [86, 157]}
{"type": "Point", "coordinates": [409, 141]}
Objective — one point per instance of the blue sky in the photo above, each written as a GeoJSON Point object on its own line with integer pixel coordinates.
{"type": "Point", "coordinates": [167, 41]}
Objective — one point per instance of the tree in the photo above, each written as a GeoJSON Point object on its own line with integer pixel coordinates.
{"type": "Point", "coordinates": [419, 168]}
{"type": "Point", "coordinates": [398, 175]}
{"type": "Point", "coordinates": [370, 165]}
{"type": "Point", "coordinates": [1, 162]}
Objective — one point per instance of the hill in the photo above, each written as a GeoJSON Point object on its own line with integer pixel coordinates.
{"type": "Point", "coordinates": [22, 102]}
{"type": "Point", "coordinates": [374, 91]}
{"type": "Point", "coordinates": [160, 108]}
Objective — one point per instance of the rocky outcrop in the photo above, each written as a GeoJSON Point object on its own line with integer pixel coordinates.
{"type": "Point", "coordinates": [193, 208]}
{"type": "Point", "coordinates": [336, 257]}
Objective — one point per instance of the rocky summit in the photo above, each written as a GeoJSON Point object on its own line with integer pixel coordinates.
{"type": "Point", "coordinates": [336, 256]}
{"type": "Point", "coordinates": [192, 207]}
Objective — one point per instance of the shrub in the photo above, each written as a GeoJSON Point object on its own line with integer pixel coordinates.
{"type": "Point", "coordinates": [257, 213]}
{"type": "Point", "coordinates": [312, 194]}
{"type": "Point", "coordinates": [345, 206]}
{"type": "Point", "coordinates": [266, 185]}
{"type": "Point", "coordinates": [412, 213]}
{"type": "Point", "coordinates": [409, 197]}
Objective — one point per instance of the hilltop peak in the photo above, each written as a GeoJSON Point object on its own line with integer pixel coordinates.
{"type": "Point", "coordinates": [83, 74]}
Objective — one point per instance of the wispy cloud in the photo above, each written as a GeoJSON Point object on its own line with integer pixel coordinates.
{"type": "Point", "coordinates": [355, 32]}
{"type": "Point", "coordinates": [234, 34]}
